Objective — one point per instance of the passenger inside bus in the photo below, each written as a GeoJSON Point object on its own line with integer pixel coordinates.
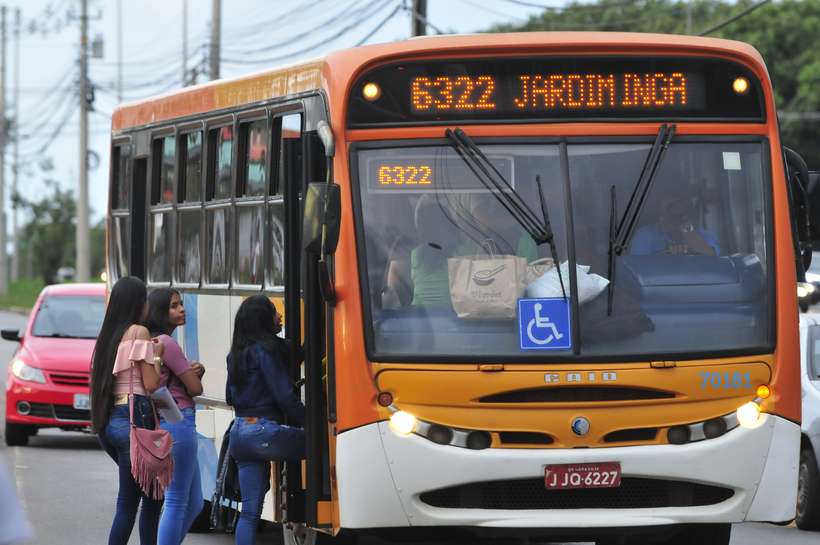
{"type": "Point", "coordinates": [428, 260]}
{"type": "Point", "coordinates": [496, 231]}
{"type": "Point", "coordinates": [674, 232]}
{"type": "Point", "coordinates": [449, 226]}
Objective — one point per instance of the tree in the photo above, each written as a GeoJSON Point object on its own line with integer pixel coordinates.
{"type": "Point", "coordinates": [50, 231]}
{"type": "Point", "coordinates": [786, 32]}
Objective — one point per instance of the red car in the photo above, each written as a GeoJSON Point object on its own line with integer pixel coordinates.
{"type": "Point", "coordinates": [48, 377]}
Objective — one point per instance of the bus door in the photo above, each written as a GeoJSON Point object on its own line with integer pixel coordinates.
{"type": "Point", "coordinates": [302, 159]}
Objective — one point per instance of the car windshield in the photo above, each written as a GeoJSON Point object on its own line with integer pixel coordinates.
{"type": "Point", "coordinates": [452, 275]}
{"type": "Point", "coordinates": [69, 316]}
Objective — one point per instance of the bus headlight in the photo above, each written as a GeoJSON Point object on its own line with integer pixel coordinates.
{"type": "Point", "coordinates": [403, 423]}
{"type": "Point", "coordinates": [748, 414]}
{"type": "Point", "coordinates": [21, 370]}
{"type": "Point", "coordinates": [804, 289]}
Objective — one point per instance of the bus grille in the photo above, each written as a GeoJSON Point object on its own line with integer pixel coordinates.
{"type": "Point", "coordinates": [634, 434]}
{"type": "Point", "coordinates": [576, 394]}
{"type": "Point", "coordinates": [634, 493]}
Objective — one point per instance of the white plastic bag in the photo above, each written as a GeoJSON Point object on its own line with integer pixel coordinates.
{"type": "Point", "coordinates": [548, 285]}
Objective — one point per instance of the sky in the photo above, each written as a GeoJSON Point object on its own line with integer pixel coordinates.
{"type": "Point", "coordinates": [256, 34]}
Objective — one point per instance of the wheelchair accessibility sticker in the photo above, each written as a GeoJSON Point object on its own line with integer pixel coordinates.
{"type": "Point", "coordinates": [543, 324]}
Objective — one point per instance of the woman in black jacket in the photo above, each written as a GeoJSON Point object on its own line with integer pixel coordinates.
{"type": "Point", "coordinates": [260, 391]}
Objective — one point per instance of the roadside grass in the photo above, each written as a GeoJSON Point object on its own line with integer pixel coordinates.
{"type": "Point", "coordinates": [22, 294]}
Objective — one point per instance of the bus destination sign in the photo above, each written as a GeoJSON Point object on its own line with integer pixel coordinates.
{"type": "Point", "coordinates": [552, 92]}
{"type": "Point", "coordinates": [533, 89]}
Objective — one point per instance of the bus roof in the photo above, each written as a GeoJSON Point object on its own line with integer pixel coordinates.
{"type": "Point", "coordinates": [341, 66]}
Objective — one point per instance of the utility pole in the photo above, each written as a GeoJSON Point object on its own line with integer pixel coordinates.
{"type": "Point", "coordinates": [184, 43]}
{"type": "Point", "coordinates": [83, 265]}
{"type": "Point", "coordinates": [15, 169]}
{"type": "Point", "coordinates": [4, 278]}
{"type": "Point", "coordinates": [418, 19]}
{"type": "Point", "coordinates": [216, 30]}
{"type": "Point", "coordinates": [119, 51]}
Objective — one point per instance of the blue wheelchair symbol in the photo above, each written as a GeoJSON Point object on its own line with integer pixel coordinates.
{"type": "Point", "coordinates": [544, 324]}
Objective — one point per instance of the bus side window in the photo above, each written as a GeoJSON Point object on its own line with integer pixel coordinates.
{"type": "Point", "coordinates": [120, 207]}
{"type": "Point", "coordinates": [163, 182]}
{"type": "Point", "coordinates": [189, 219]}
{"type": "Point", "coordinates": [286, 172]}
{"type": "Point", "coordinates": [254, 141]}
{"type": "Point", "coordinates": [218, 207]}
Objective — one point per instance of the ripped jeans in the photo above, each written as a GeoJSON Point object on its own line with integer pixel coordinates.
{"type": "Point", "coordinates": [254, 443]}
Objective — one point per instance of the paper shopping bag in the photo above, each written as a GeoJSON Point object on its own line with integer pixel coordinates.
{"type": "Point", "coordinates": [486, 287]}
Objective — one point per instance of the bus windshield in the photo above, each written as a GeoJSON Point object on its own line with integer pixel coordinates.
{"type": "Point", "coordinates": [693, 279]}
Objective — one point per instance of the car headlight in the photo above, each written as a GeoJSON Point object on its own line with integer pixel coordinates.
{"type": "Point", "coordinates": [23, 371]}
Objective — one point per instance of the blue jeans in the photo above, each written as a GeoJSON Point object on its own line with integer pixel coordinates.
{"type": "Point", "coordinates": [183, 497]}
{"type": "Point", "coordinates": [253, 446]}
{"type": "Point", "coordinates": [116, 442]}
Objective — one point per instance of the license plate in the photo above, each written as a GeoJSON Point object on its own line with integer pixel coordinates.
{"type": "Point", "coordinates": [569, 476]}
{"type": "Point", "coordinates": [81, 402]}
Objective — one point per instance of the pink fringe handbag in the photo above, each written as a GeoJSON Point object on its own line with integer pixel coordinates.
{"type": "Point", "coordinates": [152, 465]}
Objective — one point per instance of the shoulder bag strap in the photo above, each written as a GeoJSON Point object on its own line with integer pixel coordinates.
{"type": "Point", "coordinates": [131, 394]}
{"type": "Point", "coordinates": [131, 389]}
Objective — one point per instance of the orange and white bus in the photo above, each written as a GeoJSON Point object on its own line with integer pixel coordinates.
{"type": "Point", "coordinates": [409, 207]}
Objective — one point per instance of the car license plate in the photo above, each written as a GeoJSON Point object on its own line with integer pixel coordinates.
{"type": "Point", "coordinates": [81, 402]}
{"type": "Point", "coordinates": [596, 475]}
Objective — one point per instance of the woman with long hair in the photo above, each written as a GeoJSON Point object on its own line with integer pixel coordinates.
{"type": "Point", "coordinates": [183, 497]}
{"type": "Point", "coordinates": [125, 359]}
{"type": "Point", "coordinates": [260, 391]}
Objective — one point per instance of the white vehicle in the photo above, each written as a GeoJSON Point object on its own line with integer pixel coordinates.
{"type": "Point", "coordinates": [808, 493]}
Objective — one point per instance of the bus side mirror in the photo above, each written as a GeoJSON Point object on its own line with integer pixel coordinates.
{"type": "Point", "coordinates": [322, 218]}
{"type": "Point", "coordinates": [806, 218]}
{"type": "Point", "coordinates": [813, 190]}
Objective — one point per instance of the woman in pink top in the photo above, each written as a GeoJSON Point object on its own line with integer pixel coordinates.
{"type": "Point", "coordinates": [125, 358]}
{"type": "Point", "coordinates": [183, 497]}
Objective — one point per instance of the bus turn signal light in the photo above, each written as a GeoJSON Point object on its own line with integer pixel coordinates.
{"type": "Point", "coordinates": [403, 423]}
{"type": "Point", "coordinates": [385, 399]}
{"type": "Point", "coordinates": [763, 391]}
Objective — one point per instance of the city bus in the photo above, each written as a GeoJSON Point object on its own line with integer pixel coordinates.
{"type": "Point", "coordinates": [535, 284]}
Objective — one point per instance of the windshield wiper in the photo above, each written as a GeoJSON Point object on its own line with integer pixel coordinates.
{"type": "Point", "coordinates": [60, 336]}
{"type": "Point", "coordinates": [539, 229]}
{"type": "Point", "coordinates": [619, 240]}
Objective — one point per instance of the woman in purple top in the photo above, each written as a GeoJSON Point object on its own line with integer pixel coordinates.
{"type": "Point", "coordinates": [183, 497]}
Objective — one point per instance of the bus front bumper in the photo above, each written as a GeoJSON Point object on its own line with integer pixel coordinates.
{"type": "Point", "coordinates": [381, 478]}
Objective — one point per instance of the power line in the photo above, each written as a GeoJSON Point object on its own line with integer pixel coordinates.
{"type": "Point", "coordinates": [335, 18]}
{"type": "Point", "coordinates": [252, 31]}
{"type": "Point", "coordinates": [574, 5]}
{"type": "Point", "coordinates": [424, 20]}
{"type": "Point", "coordinates": [530, 4]}
{"type": "Point", "coordinates": [315, 46]}
{"type": "Point", "coordinates": [731, 20]}
{"type": "Point", "coordinates": [484, 8]}
{"type": "Point", "coordinates": [54, 135]}
{"type": "Point", "coordinates": [58, 91]}
{"type": "Point", "coordinates": [43, 124]}
{"type": "Point", "coordinates": [379, 26]}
